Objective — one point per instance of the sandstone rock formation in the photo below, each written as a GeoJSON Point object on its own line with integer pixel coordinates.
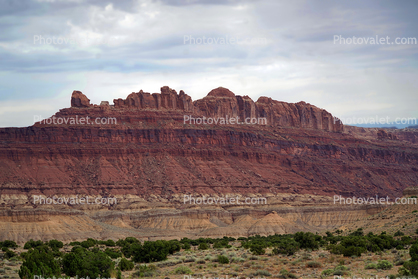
{"type": "Point", "coordinates": [79, 100]}
{"type": "Point", "coordinates": [168, 99]}
{"type": "Point", "coordinates": [149, 158]}
{"type": "Point", "coordinates": [220, 102]}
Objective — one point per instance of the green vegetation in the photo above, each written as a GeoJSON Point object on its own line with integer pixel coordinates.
{"type": "Point", "coordinates": [203, 246]}
{"type": "Point", "coordinates": [223, 260]}
{"type": "Point", "coordinates": [182, 270]}
{"type": "Point", "coordinates": [83, 262]}
{"type": "Point", "coordinates": [300, 251]}
{"type": "Point", "coordinates": [154, 251]}
{"type": "Point", "coordinates": [146, 271]}
{"type": "Point", "coordinates": [125, 264]}
{"type": "Point", "coordinates": [39, 261]}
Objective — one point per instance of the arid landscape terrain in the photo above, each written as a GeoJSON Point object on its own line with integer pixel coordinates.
{"type": "Point", "coordinates": [208, 139]}
{"type": "Point", "coordinates": [159, 177]}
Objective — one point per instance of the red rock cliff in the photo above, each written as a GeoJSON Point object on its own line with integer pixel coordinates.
{"type": "Point", "coordinates": [150, 151]}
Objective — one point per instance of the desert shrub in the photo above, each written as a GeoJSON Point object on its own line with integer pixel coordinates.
{"type": "Point", "coordinates": [353, 251]}
{"type": "Point", "coordinates": [90, 242]}
{"type": "Point", "coordinates": [125, 264]}
{"type": "Point", "coordinates": [224, 243]}
{"type": "Point", "coordinates": [169, 263]}
{"type": "Point", "coordinates": [108, 242]}
{"type": "Point", "coordinates": [261, 272]}
{"type": "Point", "coordinates": [203, 246]}
{"type": "Point", "coordinates": [182, 270]}
{"type": "Point", "coordinates": [327, 272]}
{"type": "Point", "coordinates": [39, 261]}
{"type": "Point", "coordinates": [154, 251]}
{"type": "Point", "coordinates": [313, 264]}
{"type": "Point", "coordinates": [189, 259]}
{"type": "Point", "coordinates": [358, 232]}
{"type": "Point", "coordinates": [113, 253]}
{"type": "Point", "coordinates": [413, 252]}
{"type": "Point", "coordinates": [371, 266]}
{"type": "Point", "coordinates": [399, 262]}
{"type": "Point", "coordinates": [8, 244]}
{"type": "Point", "coordinates": [8, 253]}
{"type": "Point", "coordinates": [285, 274]}
{"type": "Point", "coordinates": [306, 256]}
{"type": "Point", "coordinates": [409, 268]}
{"type": "Point", "coordinates": [257, 250]}
{"type": "Point", "coordinates": [340, 270]}
{"type": "Point", "coordinates": [82, 262]}
{"type": "Point", "coordinates": [398, 233]}
{"type": "Point", "coordinates": [223, 260]}
{"type": "Point", "coordinates": [146, 271]}
{"type": "Point", "coordinates": [32, 244]}
{"type": "Point", "coordinates": [237, 260]}
{"type": "Point", "coordinates": [307, 240]}
{"type": "Point", "coordinates": [201, 261]}
{"type": "Point", "coordinates": [55, 244]}
{"type": "Point", "coordinates": [384, 264]}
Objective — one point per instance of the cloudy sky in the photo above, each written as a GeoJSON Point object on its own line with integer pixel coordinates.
{"type": "Point", "coordinates": [282, 49]}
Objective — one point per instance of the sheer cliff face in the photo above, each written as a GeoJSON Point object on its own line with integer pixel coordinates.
{"type": "Point", "coordinates": [151, 151]}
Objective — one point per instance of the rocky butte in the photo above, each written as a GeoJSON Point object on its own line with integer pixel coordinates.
{"type": "Point", "coordinates": [147, 158]}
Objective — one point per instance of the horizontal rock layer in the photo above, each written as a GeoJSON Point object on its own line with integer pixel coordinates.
{"type": "Point", "coordinates": [151, 153]}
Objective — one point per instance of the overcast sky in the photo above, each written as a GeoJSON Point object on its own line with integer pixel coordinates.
{"type": "Point", "coordinates": [285, 50]}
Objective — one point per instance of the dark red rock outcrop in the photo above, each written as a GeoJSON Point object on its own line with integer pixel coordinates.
{"type": "Point", "coordinates": [168, 99]}
{"type": "Point", "coordinates": [79, 100]}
